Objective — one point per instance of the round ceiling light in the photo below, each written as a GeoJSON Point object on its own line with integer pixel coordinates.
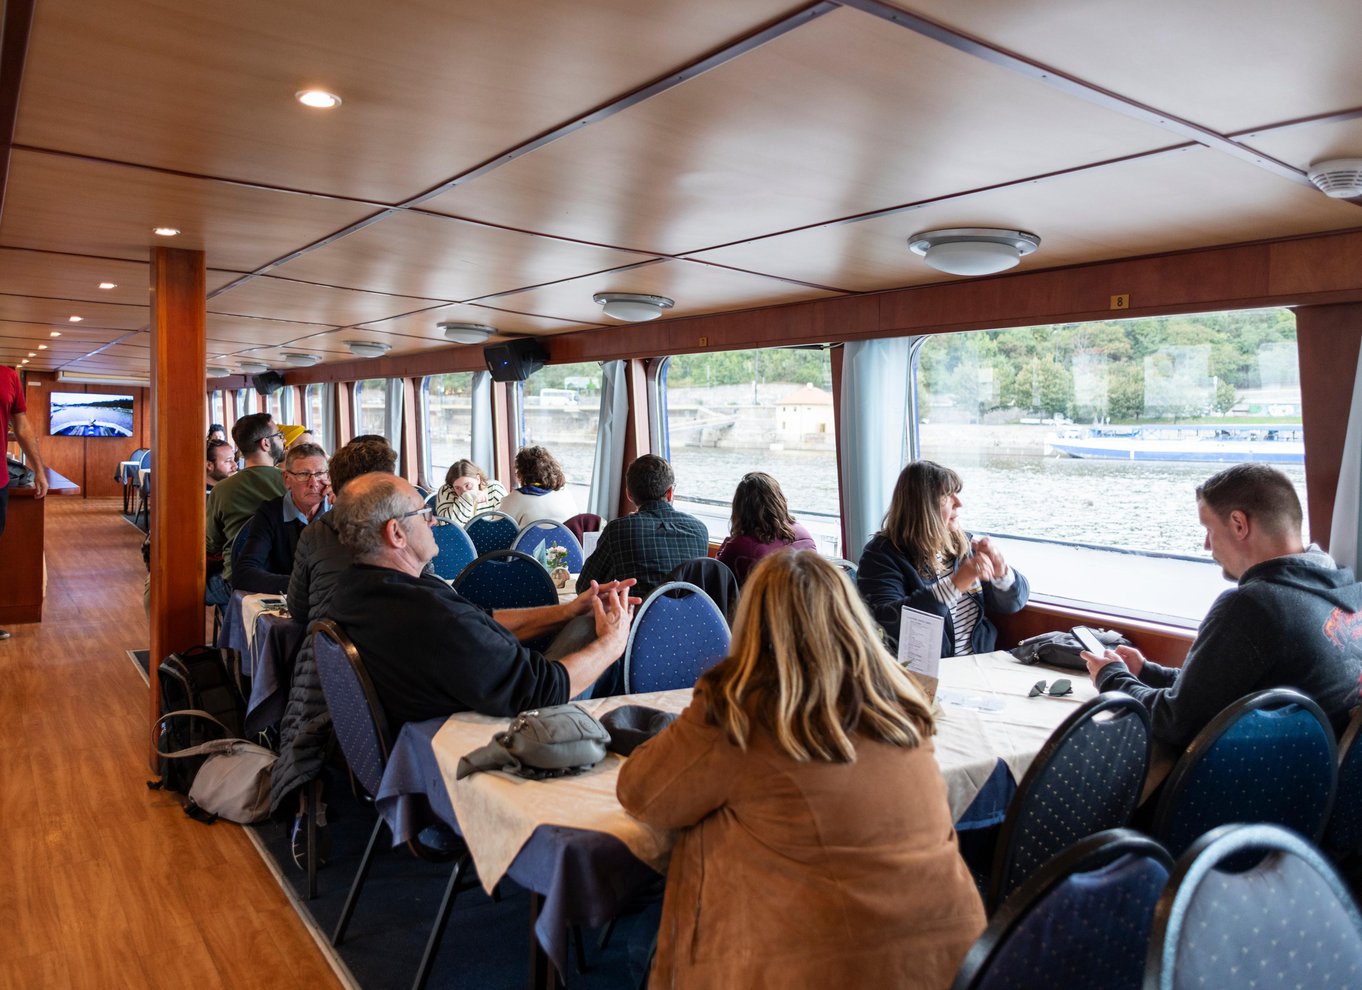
{"type": "Point", "coordinates": [367, 348]}
{"type": "Point", "coordinates": [108, 285]}
{"type": "Point", "coordinates": [318, 99]}
{"type": "Point", "coordinates": [217, 372]}
{"type": "Point", "coordinates": [973, 250]}
{"type": "Point", "coordinates": [253, 367]}
{"type": "Point", "coordinates": [302, 360]}
{"type": "Point", "coordinates": [631, 307]}
{"type": "Point", "coordinates": [165, 231]}
{"type": "Point", "coordinates": [466, 333]}
{"type": "Point", "coordinates": [1340, 178]}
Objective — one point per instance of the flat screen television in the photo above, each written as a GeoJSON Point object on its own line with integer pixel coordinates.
{"type": "Point", "coordinates": [90, 414]}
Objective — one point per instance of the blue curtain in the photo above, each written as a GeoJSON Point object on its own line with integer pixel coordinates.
{"type": "Point", "coordinates": [480, 446]}
{"type": "Point", "coordinates": [1345, 539]}
{"type": "Point", "coordinates": [872, 431]}
{"type": "Point", "coordinates": [607, 470]}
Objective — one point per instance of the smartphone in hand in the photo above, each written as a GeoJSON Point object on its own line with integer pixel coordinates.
{"type": "Point", "coordinates": [1089, 640]}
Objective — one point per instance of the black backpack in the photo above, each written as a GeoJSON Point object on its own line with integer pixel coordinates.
{"type": "Point", "coordinates": [200, 678]}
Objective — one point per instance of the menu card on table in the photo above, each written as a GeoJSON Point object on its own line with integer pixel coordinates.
{"type": "Point", "coordinates": [920, 647]}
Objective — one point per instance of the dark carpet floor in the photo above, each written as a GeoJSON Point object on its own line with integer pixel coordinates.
{"type": "Point", "coordinates": [486, 944]}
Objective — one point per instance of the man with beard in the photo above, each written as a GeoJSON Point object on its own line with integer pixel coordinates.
{"type": "Point", "coordinates": [219, 464]}
{"type": "Point", "coordinates": [237, 498]}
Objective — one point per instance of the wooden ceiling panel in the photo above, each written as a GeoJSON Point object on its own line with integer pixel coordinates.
{"type": "Point", "coordinates": [845, 115]}
{"type": "Point", "coordinates": [438, 258]}
{"type": "Point", "coordinates": [64, 276]}
{"type": "Point", "coordinates": [1185, 199]}
{"type": "Point", "coordinates": [55, 314]}
{"type": "Point", "coordinates": [695, 288]}
{"type": "Point", "coordinates": [507, 323]}
{"type": "Point", "coordinates": [63, 204]}
{"type": "Point", "coordinates": [1302, 146]}
{"type": "Point", "coordinates": [303, 302]}
{"type": "Point", "coordinates": [1226, 66]}
{"type": "Point", "coordinates": [430, 89]}
{"type": "Point", "coordinates": [41, 333]}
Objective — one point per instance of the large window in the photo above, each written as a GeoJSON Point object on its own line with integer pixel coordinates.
{"type": "Point", "coordinates": [317, 413]}
{"type": "Point", "coordinates": [378, 409]}
{"type": "Point", "coordinates": [447, 411]}
{"type": "Point", "coordinates": [761, 410]}
{"type": "Point", "coordinates": [1097, 435]}
{"type": "Point", "coordinates": [561, 410]}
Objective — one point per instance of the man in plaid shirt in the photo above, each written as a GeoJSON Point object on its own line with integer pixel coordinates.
{"type": "Point", "coordinates": [652, 541]}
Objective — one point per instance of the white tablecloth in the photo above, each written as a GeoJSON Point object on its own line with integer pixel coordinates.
{"type": "Point", "coordinates": [498, 812]}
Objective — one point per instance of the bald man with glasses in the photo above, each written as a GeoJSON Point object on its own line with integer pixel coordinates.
{"type": "Point", "coordinates": [429, 651]}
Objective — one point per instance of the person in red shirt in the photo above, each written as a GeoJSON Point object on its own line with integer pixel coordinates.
{"type": "Point", "coordinates": [14, 415]}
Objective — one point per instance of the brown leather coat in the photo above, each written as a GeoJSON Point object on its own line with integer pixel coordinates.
{"type": "Point", "coordinates": [802, 874]}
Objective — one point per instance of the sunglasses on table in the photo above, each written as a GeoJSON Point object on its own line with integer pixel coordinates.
{"type": "Point", "coordinates": [1058, 689]}
{"type": "Point", "coordinates": [426, 511]}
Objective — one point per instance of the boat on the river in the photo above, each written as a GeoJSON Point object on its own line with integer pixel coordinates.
{"type": "Point", "coordinates": [1267, 443]}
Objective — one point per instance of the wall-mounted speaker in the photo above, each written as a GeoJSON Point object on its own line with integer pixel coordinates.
{"type": "Point", "coordinates": [267, 382]}
{"type": "Point", "coordinates": [514, 360]}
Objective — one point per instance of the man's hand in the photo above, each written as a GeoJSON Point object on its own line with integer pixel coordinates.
{"type": "Point", "coordinates": [581, 605]}
{"type": "Point", "coordinates": [40, 483]}
{"type": "Point", "coordinates": [1128, 655]}
{"type": "Point", "coordinates": [614, 610]}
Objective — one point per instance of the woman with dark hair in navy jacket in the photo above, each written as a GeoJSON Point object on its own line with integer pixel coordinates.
{"type": "Point", "coordinates": [923, 559]}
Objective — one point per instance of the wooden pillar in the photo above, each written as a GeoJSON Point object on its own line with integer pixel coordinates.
{"type": "Point", "coordinates": [345, 416]}
{"type": "Point", "coordinates": [1327, 343]}
{"type": "Point", "coordinates": [505, 433]}
{"type": "Point", "coordinates": [178, 304]}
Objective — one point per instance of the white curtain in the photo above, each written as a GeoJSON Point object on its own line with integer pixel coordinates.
{"type": "Point", "coordinates": [480, 445]}
{"type": "Point", "coordinates": [1345, 539]}
{"type": "Point", "coordinates": [607, 471]}
{"type": "Point", "coordinates": [392, 415]}
{"type": "Point", "coordinates": [873, 423]}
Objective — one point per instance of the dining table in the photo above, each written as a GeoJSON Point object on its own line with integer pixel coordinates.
{"type": "Point", "coordinates": [585, 860]}
{"type": "Point", "coordinates": [261, 630]}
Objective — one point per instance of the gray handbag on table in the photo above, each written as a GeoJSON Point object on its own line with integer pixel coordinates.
{"type": "Point", "coordinates": [546, 742]}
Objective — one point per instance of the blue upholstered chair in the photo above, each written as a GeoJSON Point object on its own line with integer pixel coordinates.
{"type": "Point", "coordinates": [362, 732]}
{"type": "Point", "coordinates": [845, 566]}
{"type": "Point", "coordinates": [1269, 757]}
{"type": "Point", "coordinates": [714, 578]}
{"type": "Point", "coordinates": [506, 579]}
{"type": "Point", "coordinates": [1080, 922]}
{"type": "Point", "coordinates": [549, 532]}
{"type": "Point", "coordinates": [1285, 921]}
{"type": "Point", "coordinates": [492, 531]}
{"type": "Point", "coordinates": [678, 634]}
{"type": "Point", "coordinates": [1086, 778]}
{"type": "Point", "coordinates": [429, 497]}
{"type": "Point", "coordinates": [1343, 833]}
{"type": "Point", "coordinates": [456, 551]}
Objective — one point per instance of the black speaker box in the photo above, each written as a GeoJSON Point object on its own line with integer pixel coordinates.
{"type": "Point", "coordinates": [267, 382]}
{"type": "Point", "coordinates": [514, 360]}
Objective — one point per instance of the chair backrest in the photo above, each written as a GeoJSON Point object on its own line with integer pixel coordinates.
{"type": "Point", "coordinates": [845, 566]}
{"type": "Point", "coordinates": [506, 579]}
{"type": "Point", "coordinates": [456, 551]}
{"type": "Point", "coordinates": [143, 457]}
{"type": "Point", "coordinates": [714, 578]}
{"type": "Point", "coordinates": [1269, 757]}
{"type": "Point", "coordinates": [430, 498]}
{"type": "Point", "coordinates": [1343, 834]}
{"type": "Point", "coordinates": [1081, 921]}
{"type": "Point", "coordinates": [583, 522]}
{"type": "Point", "coordinates": [678, 634]}
{"type": "Point", "coordinates": [549, 532]}
{"type": "Point", "coordinates": [360, 725]}
{"type": "Point", "coordinates": [1287, 920]}
{"type": "Point", "coordinates": [492, 531]}
{"type": "Point", "coordinates": [1085, 779]}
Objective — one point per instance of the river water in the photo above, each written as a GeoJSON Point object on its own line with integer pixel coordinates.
{"type": "Point", "coordinates": [1010, 487]}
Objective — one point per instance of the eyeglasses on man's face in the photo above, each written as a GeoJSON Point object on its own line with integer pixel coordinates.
{"type": "Point", "coordinates": [426, 511]}
{"type": "Point", "coordinates": [307, 476]}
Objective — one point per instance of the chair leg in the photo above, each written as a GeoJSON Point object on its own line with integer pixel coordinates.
{"type": "Point", "coordinates": [441, 922]}
{"type": "Point", "coordinates": [360, 876]}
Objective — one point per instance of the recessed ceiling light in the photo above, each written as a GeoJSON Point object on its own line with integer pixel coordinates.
{"type": "Point", "coordinates": [24, 361]}
{"type": "Point", "coordinates": [319, 99]}
{"type": "Point", "coordinates": [74, 319]}
{"type": "Point", "coordinates": [42, 347]}
{"type": "Point", "coordinates": [466, 333]}
{"type": "Point", "coordinates": [108, 285]}
{"type": "Point", "coordinates": [32, 354]}
{"type": "Point", "coordinates": [165, 231]}
{"type": "Point", "coordinates": [54, 333]}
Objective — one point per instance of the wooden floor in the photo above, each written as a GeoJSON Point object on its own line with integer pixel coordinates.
{"type": "Point", "coordinates": [104, 883]}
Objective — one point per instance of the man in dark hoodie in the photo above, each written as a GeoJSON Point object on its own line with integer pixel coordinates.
{"type": "Point", "coordinates": [1295, 620]}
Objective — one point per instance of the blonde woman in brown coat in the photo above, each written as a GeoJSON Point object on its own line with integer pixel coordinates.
{"type": "Point", "coordinates": [817, 847]}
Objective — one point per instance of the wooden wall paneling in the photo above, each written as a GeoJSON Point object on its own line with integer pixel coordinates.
{"type": "Point", "coordinates": [1327, 343]}
{"type": "Point", "coordinates": [505, 433]}
{"type": "Point", "coordinates": [1161, 643]}
{"type": "Point", "coordinates": [65, 455]}
{"type": "Point", "coordinates": [345, 414]}
{"type": "Point", "coordinates": [412, 456]}
{"type": "Point", "coordinates": [102, 454]}
{"type": "Point", "coordinates": [177, 510]}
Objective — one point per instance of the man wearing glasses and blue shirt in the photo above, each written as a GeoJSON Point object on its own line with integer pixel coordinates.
{"type": "Point", "coordinates": [430, 652]}
{"type": "Point", "coordinates": [266, 558]}
{"type": "Point", "coordinates": [235, 499]}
